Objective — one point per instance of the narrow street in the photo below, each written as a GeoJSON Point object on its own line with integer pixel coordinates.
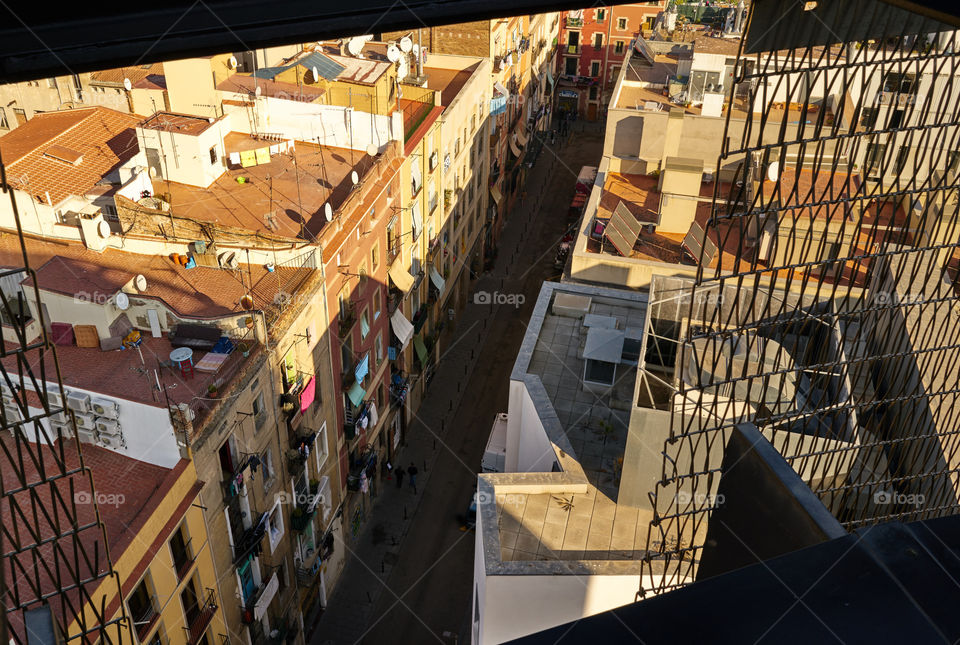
{"type": "Point", "coordinates": [420, 589]}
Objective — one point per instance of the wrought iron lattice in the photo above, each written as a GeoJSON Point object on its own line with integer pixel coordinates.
{"type": "Point", "coordinates": [57, 577]}
{"type": "Point", "coordinates": [829, 315]}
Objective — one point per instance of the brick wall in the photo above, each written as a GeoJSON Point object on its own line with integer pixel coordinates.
{"type": "Point", "coordinates": [463, 39]}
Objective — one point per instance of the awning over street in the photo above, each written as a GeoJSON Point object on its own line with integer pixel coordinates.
{"type": "Point", "coordinates": [401, 277]}
{"type": "Point", "coordinates": [437, 280]}
{"type": "Point", "coordinates": [521, 136]}
{"type": "Point", "coordinates": [421, 350]}
{"type": "Point", "coordinates": [501, 89]}
{"type": "Point", "coordinates": [514, 147]}
{"type": "Point", "coordinates": [550, 77]}
{"type": "Point", "coordinates": [356, 394]}
{"type": "Point", "coordinates": [497, 196]}
{"type": "Point", "coordinates": [402, 327]}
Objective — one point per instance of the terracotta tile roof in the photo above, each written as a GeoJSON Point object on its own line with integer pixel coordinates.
{"type": "Point", "coordinates": [105, 138]}
{"type": "Point", "coordinates": [136, 74]}
{"type": "Point", "coordinates": [200, 293]}
{"type": "Point", "coordinates": [152, 82]}
{"type": "Point", "coordinates": [179, 123]}
{"type": "Point", "coordinates": [324, 177]}
{"type": "Point", "coordinates": [129, 490]}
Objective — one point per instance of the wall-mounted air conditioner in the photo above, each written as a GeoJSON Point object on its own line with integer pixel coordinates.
{"type": "Point", "coordinates": [86, 435]}
{"type": "Point", "coordinates": [78, 402]}
{"type": "Point", "coordinates": [110, 441]}
{"type": "Point", "coordinates": [12, 413]}
{"type": "Point", "coordinates": [85, 421]}
{"type": "Point", "coordinates": [105, 408]}
{"type": "Point", "coordinates": [60, 417]}
{"type": "Point", "coordinates": [53, 398]}
{"type": "Point", "coordinates": [9, 400]}
{"type": "Point", "coordinates": [62, 430]}
{"type": "Point", "coordinates": [108, 426]}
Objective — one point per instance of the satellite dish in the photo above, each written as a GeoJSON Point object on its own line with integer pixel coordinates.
{"type": "Point", "coordinates": [258, 91]}
{"type": "Point", "coordinates": [406, 45]}
{"type": "Point", "coordinates": [372, 150]}
{"type": "Point", "coordinates": [354, 177]}
{"type": "Point", "coordinates": [127, 85]}
{"type": "Point", "coordinates": [416, 50]}
{"type": "Point", "coordinates": [140, 282]}
{"type": "Point", "coordinates": [773, 171]}
{"type": "Point", "coordinates": [327, 212]}
{"type": "Point", "coordinates": [316, 73]}
{"type": "Point", "coordinates": [403, 69]}
{"type": "Point", "coordinates": [246, 302]}
{"type": "Point", "coordinates": [232, 63]}
{"type": "Point", "coordinates": [393, 53]}
{"type": "Point", "coordinates": [103, 229]}
{"type": "Point", "coordinates": [355, 47]}
{"type": "Point", "coordinates": [123, 301]}
{"type": "Point", "coordinates": [152, 172]}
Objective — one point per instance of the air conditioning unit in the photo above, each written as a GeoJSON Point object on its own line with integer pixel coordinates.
{"type": "Point", "coordinates": [110, 441]}
{"type": "Point", "coordinates": [78, 402]}
{"type": "Point", "coordinates": [60, 417]}
{"type": "Point", "coordinates": [86, 435]}
{"type": "Point", "coordinates": [9, 400]}
{"type": "Point", "coordinates": [107, 426]}
{"type": "Point", "coordinates": [53, 398]}
{"type": "Point", "coordinates": [85, 421]}
{"type": "Point", "coordinates": [63, 430]}
{"type": "Point", "coordinates": [12, 413]}
{"type": "Point", "coordinates": [106, 408]}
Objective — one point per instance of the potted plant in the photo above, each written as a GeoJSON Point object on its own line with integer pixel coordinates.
{"type": "Point", "coordinates": [299, 519]}
{"type": "Point", "coordinates": [244, 348]}
{"type": "Point", "coordinates": [212, 391]}
{"type": "Point", "coordinates": [248, 321]}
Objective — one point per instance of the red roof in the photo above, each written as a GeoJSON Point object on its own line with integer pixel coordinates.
{"type": "Point", "coordinates": [104, 138]}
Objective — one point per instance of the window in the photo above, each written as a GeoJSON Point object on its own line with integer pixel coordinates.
{"type": "Point", "coordinates": [622, 24]}
{"type": "Point", "coordinates": [570, 67]}
{"type": "Point", "coordinates": [275, 526]}
{"type": "Point", "coordinates": [320, 447]}
{"type": "Point", "coordinates": [326, 500]}
{"type": "Point", "coordinates": [593, 93]}
{"type": "Point", "coordinates": [142, 606]}
{"type": "Point", "coordinates": [378, 345]}
{"type": "Point", "coordinates": [259, 411]}
{"type": "Point", "coordinates": [21, 115]}
{"type": "Point", "coordinates": [269, 473]}
{"type": "Point", "coordinates": [618, 47]}
{"type": "Point", "coordinates": [376, 304]}
{"type": "Point", "coordinates": [3, 119]}
{"type": "Point", "coordinates": [902, 155]}
{"type": "Point", "coordinates": [364, 324]}
{"type": "Point", "coordinates": [213, 155]}
{"type": "Point", "coordinates": [874, 157]}
{"type": "Point", "coordinates": [181, 551]}
{"type": "Point", "coordinates": [597, 41]}
{"type": "Point", "coordinates": [953, 160]}
{"type": "Point", "coordinates": [601, 15]}
{"type": "Point", "coordinates": [375, 257]}
{"type": "Point", "coordinates": [595, 68]}
{"type": "Point", "coordinates": [868, 117]}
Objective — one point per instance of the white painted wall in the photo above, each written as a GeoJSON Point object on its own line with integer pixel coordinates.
{"type": "Point", "coordinates": [185, 158]}
{"type": "Point", "coordinates": [328, 124]}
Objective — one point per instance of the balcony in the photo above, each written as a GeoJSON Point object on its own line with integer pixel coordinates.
{"type": "Point", "coordinates": [246, 540]}
{"type": "Point", "coordinates": [574, 22]}
{"type": "Point", "coordinates": [199, 617]}
{"type": "Point", "coordinates": [144, 618]}
{"type": "Point", "coordinates": [256, 606]}
{"type": "Point", "coordinates": [346, 319]}
{"type": "Point", "coordinates": [432, 203]}
{"type": "Point", "coordinates": [573, 50]}
{"type": "Point", "coordinates": [393, 249]}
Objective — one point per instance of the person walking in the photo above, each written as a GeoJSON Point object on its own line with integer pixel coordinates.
{"type": "Point", "coordinates": [399, 475]}
{"type": "Point", "coordinates": [412, 471]}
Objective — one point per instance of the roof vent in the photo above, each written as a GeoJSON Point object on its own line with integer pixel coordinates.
{"type": "Point", "coordinates": [64, 154]}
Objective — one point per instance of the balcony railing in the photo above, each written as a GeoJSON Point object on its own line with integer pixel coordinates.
{"type": "Point", "coordinates": [183, 562]}
{"type": "Point", "coordinates": [346, 319]}
{"type": "Point", "coordinates": [571, 49]}
{"type": "Point", "coordinates": [393, 249]}
{"type": "Point", "coordinates": [249, 539]}
{"type": "Point", "coordinates": [201, 617]}
{"type": "Point", "coordinates": [145, 618]}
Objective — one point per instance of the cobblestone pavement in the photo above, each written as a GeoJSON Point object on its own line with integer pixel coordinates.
{"type": "Point", "coordinates": [410, 575]}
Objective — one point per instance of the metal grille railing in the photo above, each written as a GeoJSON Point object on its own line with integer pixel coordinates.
{"type": "Point", "coordinates": [824, 308]}
{"type": "Point", "coordinates": [55, 561]}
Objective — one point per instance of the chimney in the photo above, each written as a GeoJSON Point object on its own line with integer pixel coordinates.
{"type": "Point", "coordinates": [671, 138]}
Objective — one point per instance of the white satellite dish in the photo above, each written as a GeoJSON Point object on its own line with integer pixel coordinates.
{"type": "Point", "coordinates": [127, 85]}
{"type": "Point", "coordinates": [372, 150]}
{"type": "Point", "coordinates": [406, 45]}
{"type": "Point", "coordinates": [152, 172]}
{"type": "Point", "coordinates": [416, 50]}
{"type": "Point", "coordinates": [355, 47]}
{"type": "Point", "coordinates": [258, 91]}
{"type": "Point", "coordinates": [403, 69]}
{"type": "Point", "coordinates": [123, 301]}
{"type": "Point", "coordinates": [316, 73]}
{"type": "Point", "coordinates": [140, 282]}
{"type": "Point", "coordinates": [354, 177]}
{"type": "Point", "coordinates": [103, 229]}
{"type": "Point", "coordinates": [232, 62]}
{"type": "Point", "coordinates": [327, 212]}
{"type": "Point", "coordinates": [393, 53]}
{"type": "Point", "coordinates": [773, 171]}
